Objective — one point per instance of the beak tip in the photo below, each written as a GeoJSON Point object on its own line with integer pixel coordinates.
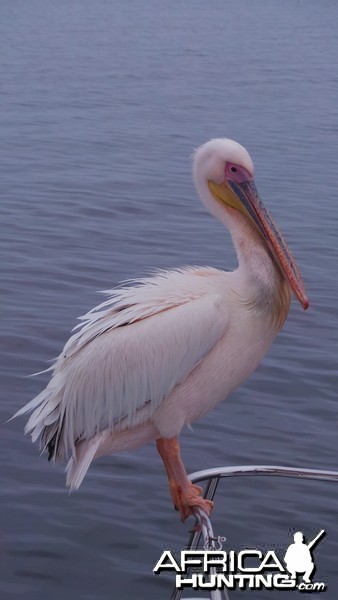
{"type": "Point", "coordinates": [305, 303]}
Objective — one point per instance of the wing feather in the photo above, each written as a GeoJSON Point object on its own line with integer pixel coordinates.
{"type": "Point", "coordinates": [114, 376]}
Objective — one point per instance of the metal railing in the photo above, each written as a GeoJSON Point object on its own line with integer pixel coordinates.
{"type": "Point", "coordinates": [212, 477]}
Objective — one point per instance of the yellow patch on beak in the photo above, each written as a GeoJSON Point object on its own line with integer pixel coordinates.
{"type": "Point", "coordinates": [224, 194]}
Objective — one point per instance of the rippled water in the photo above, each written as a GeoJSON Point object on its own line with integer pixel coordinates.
{"type": "Point", "coordinates": [102, 104]}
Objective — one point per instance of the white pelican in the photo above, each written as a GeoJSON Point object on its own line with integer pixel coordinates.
{"type": "Point", "coordinates": [158, 354]}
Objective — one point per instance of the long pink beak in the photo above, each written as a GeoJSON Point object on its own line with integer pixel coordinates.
{"type": "Point", "coordinates": [248, 194]}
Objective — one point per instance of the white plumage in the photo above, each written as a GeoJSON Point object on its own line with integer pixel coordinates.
{"type": "Point", "coordinates": [114, 375]}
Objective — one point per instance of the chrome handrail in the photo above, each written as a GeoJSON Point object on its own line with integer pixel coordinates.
{"type": "Point", "coordinates": [212, 477]}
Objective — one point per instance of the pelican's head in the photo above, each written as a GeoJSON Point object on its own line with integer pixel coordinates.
{"type": "Point", "coordinates": [224, 179]}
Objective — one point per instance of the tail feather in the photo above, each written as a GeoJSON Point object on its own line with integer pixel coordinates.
{"type": "Point", "coordinates": [78, 465]}
{"type": "Point", "coordinates": [46, 422]}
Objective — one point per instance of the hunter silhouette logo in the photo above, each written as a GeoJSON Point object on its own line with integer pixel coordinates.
{"type": "Point", "coordinates": [298, 557]}
{"type": "Point", "coordinates": [252, 569]}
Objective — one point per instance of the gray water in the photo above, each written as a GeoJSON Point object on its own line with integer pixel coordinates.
{"type": "Point", "coordinates": [102, 104]}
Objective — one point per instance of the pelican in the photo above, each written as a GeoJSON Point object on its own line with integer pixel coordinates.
{"type": "Point", "coordinates": [163, 350]}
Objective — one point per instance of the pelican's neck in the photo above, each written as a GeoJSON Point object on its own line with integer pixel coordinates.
{"type": "Point", "coordinates": [263, 283]}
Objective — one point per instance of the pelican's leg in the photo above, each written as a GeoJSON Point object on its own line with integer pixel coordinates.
{"type": "Point", "coordinates": [184, 494]}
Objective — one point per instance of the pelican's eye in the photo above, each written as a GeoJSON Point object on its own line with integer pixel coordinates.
{"type": "Point", "coordinates": [236, 173]}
